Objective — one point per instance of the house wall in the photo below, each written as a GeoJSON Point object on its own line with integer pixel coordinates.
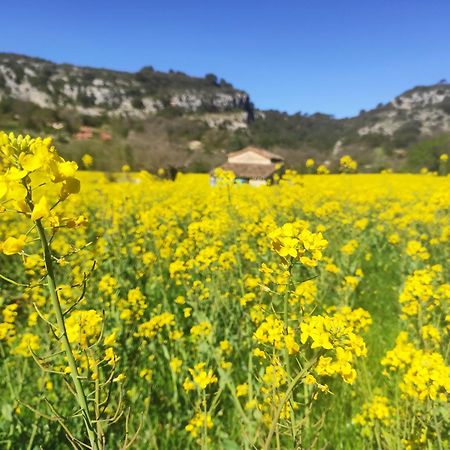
{"type": "Point", "coordinates": [249, 158]}
{"type": "Point", "coordinates": [257, 182]}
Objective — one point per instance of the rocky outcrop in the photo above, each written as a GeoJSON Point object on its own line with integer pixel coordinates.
{"type": "Point", "coordinates": [96, 91]}
{"type": "Point", "coordinates": [426, 106]}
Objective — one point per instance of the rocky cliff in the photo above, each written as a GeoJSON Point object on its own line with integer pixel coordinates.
{"type": "Point", "coordinates": [96, 91]}
{"type": "Point", "coordinates": [428, 107]}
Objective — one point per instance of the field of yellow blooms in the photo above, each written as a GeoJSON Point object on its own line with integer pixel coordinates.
{"type": "Point", "coordinates": [149, 314]}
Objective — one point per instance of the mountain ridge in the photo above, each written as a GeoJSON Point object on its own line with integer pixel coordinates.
{"type": "Point", "coordinates": [159, 118]}
{"type": "Point", "coordinates": [94, 91]}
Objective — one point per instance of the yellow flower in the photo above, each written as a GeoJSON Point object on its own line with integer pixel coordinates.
{"type": "Point", "coordinates": [295, 241]}
{"type": "Point", "coordinates": [309, 379]}
{"type": "Point", "coordinates": [322, 170]}
{"type": "Point", "coordinates": [225, 346]}
{"type": "Point", "coordinates": [180, 300]}
{"type": "Point", "coordinates": [13, 245]}
{"type": "Point", "coordinates": [202, 329]}
{"type": "Point", "coordinates": [242, 390]}
{"type": "Point", "coordinates": [199, 422]}
{"type": "Point", "coordinates": [153, 326]}
{"type": "Point", "coordinates": [348, 164]}
{"type": "Point", "coordinates": [41, 209]}
{"type": "Point", "coordinates": [84, 327]}
{"type": "Point", "coordinates": [201, 377]}
{"type": "Point", "coordinates": [175, 364]}
{"type": "Point", "coordinates": [28, 343]}
{"type": "Point", "coordinates": [375, 413]}
{"type": "Point", "coordinates": [87, 160]}
{"type": "Point", "coordinates": [188, 385]}
{"type": "Point", "coordinates": [119, 378]}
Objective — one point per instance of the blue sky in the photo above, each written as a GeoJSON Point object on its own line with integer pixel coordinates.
{"type": "Point", "coordinates": [335, 56]}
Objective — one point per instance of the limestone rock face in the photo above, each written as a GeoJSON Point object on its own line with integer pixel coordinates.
{"type": "Point", "coordinates": [426, 106]}
{"type": "Point", "coordinates": [96, 91]}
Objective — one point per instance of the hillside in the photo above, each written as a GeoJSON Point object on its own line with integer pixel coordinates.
{"type": "Point", "coordinates": [95, 91]}
{"type": "Point", "coordinates": [151, 119]}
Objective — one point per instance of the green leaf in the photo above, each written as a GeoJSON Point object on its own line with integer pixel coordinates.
{"type": "Point", "coordinates": [7, 412]}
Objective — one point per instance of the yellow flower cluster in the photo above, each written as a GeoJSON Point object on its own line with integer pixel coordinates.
{"type": "Point", "coordinates": [304, 294]}
{"type": "Point", "coordinates": [203, 329]}
{"type": "Point", "coordinates": [200, 377]}
{"type": "Point", "coordinates": [322, 170]}
{"type": "Point", "coordinates": [424, 373]}
{"type": "Point", "coordinates": [35, 158]}
{"type": "Point", "coordinates": [272, 332]}
{"type": "Point", "coordinates": [224, 177]}
{"type": "Point", "coordinates": [423, 293]}
{"type": "Point", "coordinates": [293, 241]}
{"type": "Point", "coordinates": [199, 422]}
{"type": "Point", "coordinates": [133, 308]}
{"type": "Point", "coordinates": [349, 247]}
{"type": "Point", "coordinates": [7, 330]}
{"type": "Point", "coordinates": [152, 327]}
{"type": "Point", "coordinates": [27, 344]}
{"type": "Point", "coordinates": [337, 333]}
{"type": "Point", "coordinates": [375, 413]}
{"type": "Point", "coordinates": [416, 250]}
{"type": "Point", "coordinates": [186, 273]}
{"type": "Point", "coordinates": [84, 327]}
{"type": "Point", "coordinates": [348, 164]}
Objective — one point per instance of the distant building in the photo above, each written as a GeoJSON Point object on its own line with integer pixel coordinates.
{"type": "Point", "coordinates": [253, 165]}
{"type": "Point", "coordinates": [84, 133]}
{"type": "Point", "coordinates": [105, 136]}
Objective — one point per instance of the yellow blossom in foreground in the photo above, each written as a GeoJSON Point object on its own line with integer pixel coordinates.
{"type": "Point", "coordinates": [13, 245]}
{"type": "Point", "coordinates": [41, 209]}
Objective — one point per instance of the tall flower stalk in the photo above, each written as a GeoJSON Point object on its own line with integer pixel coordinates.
{"type": "Point", "coordinates": [31, 166]}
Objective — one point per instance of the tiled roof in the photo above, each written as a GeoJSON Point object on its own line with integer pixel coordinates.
{"type": "Point", "coordinates": [250, 170]}
{"type": "Point", "coordinates": [258, 151]}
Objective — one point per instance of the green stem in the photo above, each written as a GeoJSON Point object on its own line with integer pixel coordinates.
{"type": "Point", "coordinates": [80, 394]}
{"type": "Point", "coordinates": [32, 437]}
{"type": "Point", "coordinates": [437, 430]}
{"type": "Point", "coordinates": [205, 423]}
{"type": "Point", "coordinates": [100, 433]}
{"type": "Point", "coordinates": [288, 393]}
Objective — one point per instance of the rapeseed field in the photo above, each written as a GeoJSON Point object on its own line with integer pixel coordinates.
{"type": "Point", "coordinates": [142, 313]}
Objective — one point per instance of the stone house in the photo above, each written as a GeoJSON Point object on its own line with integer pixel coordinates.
{"type": "Point", "coordinates": [253, 165]}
